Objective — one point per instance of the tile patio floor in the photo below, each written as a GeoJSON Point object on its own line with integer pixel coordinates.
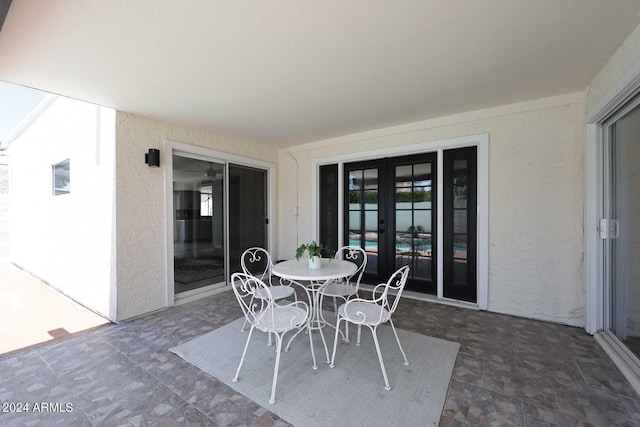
{"type": "Point", "coordinates": [510, 371]}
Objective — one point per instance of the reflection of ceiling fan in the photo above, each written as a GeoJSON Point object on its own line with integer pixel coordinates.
{"type": "Point", "coordinates": [210, 172]}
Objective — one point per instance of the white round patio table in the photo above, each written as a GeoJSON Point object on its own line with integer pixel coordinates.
{"type": "Point", "coordinates": [319, 277]}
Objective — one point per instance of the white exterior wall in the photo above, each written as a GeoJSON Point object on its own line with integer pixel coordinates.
{"type": "Point", "coordinates": [141, 240]}
{"type": "Point", "coordinates": [625, 61]}
{"type": "Point", "coordinates": [535, 198]}
{"type": "Point", "coordinates": [66, 240]}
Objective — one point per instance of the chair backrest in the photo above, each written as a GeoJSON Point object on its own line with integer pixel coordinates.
{"type": "Point", "coordinates": [245, 287]}
{"type": "Point", "coordinates": [356, 255]}
{"type": "Point", "coordinates": [395, 284]}
{"type": "Point", "coordinates": [256, 262]}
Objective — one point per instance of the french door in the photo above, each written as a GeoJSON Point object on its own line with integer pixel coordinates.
{"type": "Point", "coordinates": [391, 210]}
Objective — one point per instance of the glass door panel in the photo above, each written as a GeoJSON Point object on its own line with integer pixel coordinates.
{"type": "Point", "coordinates": [328, 212]}
{"type": "Point", "coordinates": [623, 243]}
{"type": "Point", "coordinates": [248, 214]}
{"type": "Point", "coordinates": [459, 224]}
{"type": "Point", "coordinates": [413, 237]}
{"type": "Point", "coordinates": [198, 223]}
{"type": "Point", "coordinates": [362, 214]}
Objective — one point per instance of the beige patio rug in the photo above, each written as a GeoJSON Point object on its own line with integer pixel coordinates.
{"type": "Point", "coordinates": [351, 394]}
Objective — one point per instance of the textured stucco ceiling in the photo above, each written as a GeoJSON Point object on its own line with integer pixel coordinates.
{"type": "Point", "coordinates": [291, 71]}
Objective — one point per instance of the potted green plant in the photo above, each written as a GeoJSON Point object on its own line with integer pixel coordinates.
{"type": "Point", "coordinates": [315, 251]}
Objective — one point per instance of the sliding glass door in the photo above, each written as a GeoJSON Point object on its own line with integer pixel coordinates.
{"type": "Point", "coordinates": [198, 223]}
{"type": "Point", "coordinates": [621, 227]}
{"type": "Point", "coordinates": [208, 236]}
{"type": "Point", "coordinates": [248, 221]}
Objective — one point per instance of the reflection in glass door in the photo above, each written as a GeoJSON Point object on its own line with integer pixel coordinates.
{"type": "Point", "coordinates": [621, 228]}
{"type": "Point", "coordinates": [198, 223]}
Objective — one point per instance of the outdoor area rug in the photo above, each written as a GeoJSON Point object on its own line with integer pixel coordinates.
{"type": "Point", "coordinates": [351, 394]}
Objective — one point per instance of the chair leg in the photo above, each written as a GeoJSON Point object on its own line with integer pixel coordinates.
{"type": "Point", "coordinates": [272, 400]}
{"type": "Point", "coordinates": [384, 371]}
{"type": "Point", "coordinates": [346, 331]}
{"type": "Point", "coordinates": [246, 345]}
{"type": "Point", "coordinates": [359, 334]}
{"type": "Point", "coordinates": [291, 339]}
{"type": "Point", "coordinates": [245, 317]}
{"type": "Point", "coordinates": [313, 354]}
{"type": "Point", "coordinates": [406, 362]}
{"type": "Point", "coordinates": [335, 341]}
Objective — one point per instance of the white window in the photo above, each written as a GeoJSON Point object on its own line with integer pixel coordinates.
{"type": "Point", "coordinates": [61, 178]}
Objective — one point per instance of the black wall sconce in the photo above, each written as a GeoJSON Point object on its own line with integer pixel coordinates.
{"type": "Point", "coordinates": [152, 158]}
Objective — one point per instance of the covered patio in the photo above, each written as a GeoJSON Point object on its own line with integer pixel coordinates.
{"type": "Point", "coordinates": [509, 371]}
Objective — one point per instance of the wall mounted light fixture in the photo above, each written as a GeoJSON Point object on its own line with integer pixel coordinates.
{"type": "Point", "coordinates": [152, 158]}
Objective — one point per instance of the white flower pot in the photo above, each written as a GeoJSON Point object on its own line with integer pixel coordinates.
{"type": "Point", "coordinates": [315, 262]}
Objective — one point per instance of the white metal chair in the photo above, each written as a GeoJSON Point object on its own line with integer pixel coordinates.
{"type": "Point", "coordinates": [267, 315]}
{"type": "Point", "coordinates": [349, 287]}
{"type": "Point", "coordinates": [374, 312]}
{"type": "Point", "coordinates": [257, 262]}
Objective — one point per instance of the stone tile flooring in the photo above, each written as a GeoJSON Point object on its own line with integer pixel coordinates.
{"type": "Point", "coordinates": [510, 371]}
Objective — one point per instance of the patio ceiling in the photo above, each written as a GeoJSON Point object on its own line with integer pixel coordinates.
{"type": "Point", "coordinates": [288, 72]}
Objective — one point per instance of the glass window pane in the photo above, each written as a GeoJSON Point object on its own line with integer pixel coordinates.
{"type": "Point", "coordinates": [460, 221]}
{"type": "Point", "coordinates": [404, 176]}
{"type": "Point", "coordinates": [61, 178]}
{"type": "Point", "coordinates": [354, 220]}
{"type": "Point", "coordinates": [422, 220]}
{"type": "Point", "coordinates": [422, 194]}
{"type": "Point", "coordinates": [422, 268]}
{"type": "Point", "coordinates": [371, 220]}
{"type": "Point", "coordinates": [421, 171]}
{"type": "Point", "coordinates": [354, 238]}
{"type": "Point", "coordinates": [371, 198]}
{"type": "Point", "coordinates": [355, 198]}
{"type": "Point", "coordinates": [460, 271]}
{"type": "Point", "coordinates": [460, 246]}
{"type": "Point", "coordinates": [404, 240]}
{"type": "Point", "coordinates": [460, 188]}
{"type": "Point", "coordinates": [460, 202]}
{"type": "Point", "coordinates": [371, 248]}
{"type": "Point", "coordinates": [459, 164]}
{"type": "Point", "coordinates": [403, 221]}
{"type": "Point", "coordinates": [371, 179]}
{"type": "Point", "coordinates": [355, 180]}
{"type": "Point", "coordinates": [403, 198]}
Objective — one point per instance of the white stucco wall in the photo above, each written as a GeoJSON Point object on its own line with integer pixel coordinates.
{"type": "Point", "coordinates": [626, 59]}
{"type": "Point", "coordinates": [535, 198]}
{"type": "Point", "coordinates": [140, 196]}
{"type": "Point", "coordinates": [66, 240]}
